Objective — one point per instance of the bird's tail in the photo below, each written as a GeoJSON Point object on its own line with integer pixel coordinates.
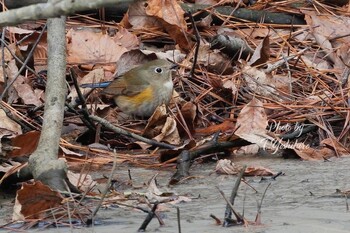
{"type": "Point", "coordinates": [96, 85]}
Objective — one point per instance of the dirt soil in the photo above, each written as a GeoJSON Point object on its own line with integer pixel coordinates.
{"type": "Point", "coordinates": [302, 200]}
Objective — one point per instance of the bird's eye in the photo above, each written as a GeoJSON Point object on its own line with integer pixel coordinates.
{"type": "Point", "coordinates": [158, 70]}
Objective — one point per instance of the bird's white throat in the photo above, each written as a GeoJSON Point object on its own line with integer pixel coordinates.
{"type": "Point", "coordinates": [168, 84]}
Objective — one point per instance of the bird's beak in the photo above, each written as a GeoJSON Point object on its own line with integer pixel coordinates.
{"type": "Point", "coordinates": [174, 66]}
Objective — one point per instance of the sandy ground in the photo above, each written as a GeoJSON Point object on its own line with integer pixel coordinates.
{"type": "Point", "coordinates": [300, 201]}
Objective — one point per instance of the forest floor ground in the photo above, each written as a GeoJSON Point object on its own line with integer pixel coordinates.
{"type": "Point", "coordinates": [302, 200]}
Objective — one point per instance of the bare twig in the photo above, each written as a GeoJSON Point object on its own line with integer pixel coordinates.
{"type": "Point", "coordinates": [258, 215]}
{"type": "Point", "coordinates": [3, 54]}
{"type": "Point", "coordinates": [85, 111]}
{"type": "Point", "coordinates": [24, 63]}
{"type": "Point", "coordinates": [228, 213]}
{"type": "Point", "coordinates": [217, 220]}
{"type": "Point", "coordinates": [198, 40]}
{"type": "Point", "coordinates": [3, 42]}
{"type": "Point", "coordinates": [148, 219]}
{"type": "Point", "coordinates": [178, 218]}
{"type": "Point", "coordinates": [108, 185]}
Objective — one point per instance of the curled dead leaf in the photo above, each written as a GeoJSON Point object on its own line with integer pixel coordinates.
{"type": "Point", "coordinates": [225, 166]}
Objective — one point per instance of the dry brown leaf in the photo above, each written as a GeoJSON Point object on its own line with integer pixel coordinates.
{"type": "Point", "coordinates": [70, 152]}
{"type": "Point", "coordinates": [339, 149]}
{"type": "Point", "coordinates": [7, 55]}
{"type": "Point", "coordinates": [282, 83]}
{"type": "Point", "coordinates": [258, 171]}
{"type": "Point", "coordinates": [88, 46]}
{"type": "Point", "coordinates": [171, 17]}
{"type": "Point", "coordinates": [17, 30]}
{"type": "Point", "coordinates": [10, 167]}
{"type": "Point", "coordinates": [83, 182]}
{"type": "Point", "coordinates": [316, 61]}
{"type": "Point", "coordinates": [33, 199]}
{"type": "Point", "coordinates": [229, 84]}
{"type": "Point", "coordinates": [8, 127]}
{"type": "Point", "coordinates": [26, 92]}
{"type": "Point", "coordinates": [154, 194]}
{"type": "Point", "coordinates": [226, 127]}
{"type": "Point", "coordinates": [189, 113]}
{"type": "Point", "coordinates": [311, 154]}
{"type": "Point", "coordinates": [256, 33]}
{"type": "Point", "coordinates": [248, 150]}
{"type": "Point", "coordinates": [160, 127]}
{"type": "Point", "coordinates": [261, 54]}
{"type": "Point", "coordinates": [168, 10]}
{"type": "Point", "coordinates": [130, 60]}
{"type": "Point", "coordinates": [206, 2]}
{"type": "Point", "coordinates": [26, 144]}
{"type": "Point", "coordinates": [169, 132]}
{"type": "Point", "coordinates": [251, 124]}
{"type": "Point", "coordinates": [155, 122]}
{"type": "Point", "coordinates": [40, 55]}
{"type": "Point", "coordinates": [259, 82]}
{"type": "Point", "coordinates": [127, 39]}
{"type": "Point", "coordinates": [225, 166]}
{"type": "Point", "coordinates": [172, 55]}
{"type": "Point", "coordinates": [137, 17]}
{"type": "Point", "coordinates": [221, 2]}
{"type": "Point", "coordinates": [326, 27]}
{"type": "Point", "coordinates": [215, 61]}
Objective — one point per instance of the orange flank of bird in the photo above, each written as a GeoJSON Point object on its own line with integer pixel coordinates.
{"type": "Point", "coordinates": [144, 96]}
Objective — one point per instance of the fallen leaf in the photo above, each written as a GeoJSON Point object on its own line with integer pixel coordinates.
{"type": "Point", "coordinates": [227, 126]}
{"type": "Point", "coordinates": [259, 82]}
{"type": "Point", "coordinates": [88, 46]}
{"type": "Point", "coordinates": [26, 144]}
{"type": "Point", "coordinates": [83, 182]}
{"type": "Point", "coordinates": [188, 114]}
{"type": "Point", "coordinates": [26, 92]}
{"type": "Point", "coordinates": [261, 54]}
{"type": "Point", "coordinates": [215, 61]}
{"type": "Point", "coordinates": [137, 17]}
{"type": "Point", "coordinates": [225, 166]}
{"type": "Point", "coordinates": [336, 146]}
{"type": "Point", "coordinates": [8, 127]}
{"type": "Point", "coordinates": [311, 154]}
{"type": "Point", "coordinates": [251, 124]}
{"type": "Point", "coordinates": [169, 132]}
{"type": "Point", "coordinates": [33, 199]}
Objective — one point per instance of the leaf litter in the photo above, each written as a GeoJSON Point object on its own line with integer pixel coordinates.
{"type": "Point", "coordinates": [284, 89]}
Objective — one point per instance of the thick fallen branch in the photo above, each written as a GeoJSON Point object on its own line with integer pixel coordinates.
{"type": "Point", "coordinates": [114, 11]}
{"type": "Point", "coordinates": [131, 135]}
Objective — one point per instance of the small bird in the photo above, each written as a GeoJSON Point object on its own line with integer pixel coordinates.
{"type": "Point", "coordinates": [142, 89]}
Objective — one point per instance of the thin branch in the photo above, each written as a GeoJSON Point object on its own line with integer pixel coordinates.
{"type": "Point", "coordinates": [148, 219]}
{"type": "Point", "coordinates": [85, 111]}
{"type": "Point", "coordinates": [3, 42]}
{"type": "Point", "coordinates": [50, 10]}
{"type": "Point", "coordinates": [24, 63]}
{"type": "Point", "coordinates": [228, 213]}
{"type": "Point", "coordinates": [198, 40]}
{"type": "Point", "coordinates": [108, 185]}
